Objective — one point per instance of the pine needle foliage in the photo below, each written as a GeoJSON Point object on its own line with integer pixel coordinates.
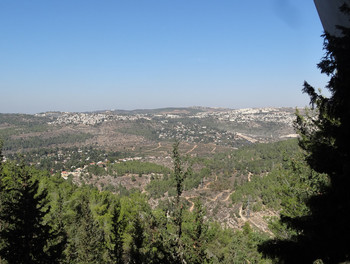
{"type": "Point", "coordinates": [323, 234]}
{"type": "Point", "coordinates": [25, 237]}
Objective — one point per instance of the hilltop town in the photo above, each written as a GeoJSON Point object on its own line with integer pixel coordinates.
{"type": "Point", "coordinates": [278, 115]}
{"type": "Point", "coordinates": [223, 127]}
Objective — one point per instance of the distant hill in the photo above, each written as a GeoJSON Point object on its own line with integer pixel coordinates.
{"type": "Point", "coordinates": [142, 130]}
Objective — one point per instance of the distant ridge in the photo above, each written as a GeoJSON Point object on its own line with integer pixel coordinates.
{"type": "Point", "coordinates": [189, 110]}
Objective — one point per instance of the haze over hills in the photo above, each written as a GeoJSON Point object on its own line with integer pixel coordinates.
{"type": "Point", "coordinates": [142, 130]}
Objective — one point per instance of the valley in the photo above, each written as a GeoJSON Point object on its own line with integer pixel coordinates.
{"type": "Point", "coordinates": [239, 171]}
{"type": "Point", "coordinates": [86, 148]}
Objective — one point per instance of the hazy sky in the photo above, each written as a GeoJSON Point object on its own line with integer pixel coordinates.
{"type": "Point", "coordinates": [85, 55]}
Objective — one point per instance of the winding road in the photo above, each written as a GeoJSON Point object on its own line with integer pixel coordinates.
{"type": "Point", "coordinates": [159, 146]}
{"type": "Point", "coordinates": [192, 149]}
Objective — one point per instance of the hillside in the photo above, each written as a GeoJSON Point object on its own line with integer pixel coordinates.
{"type": "Point", "coordinates": [130, 151]}
{"type": "Point", "coordinates": [147, 132]}
{"type": "Point", "coordinates": [238, 163]}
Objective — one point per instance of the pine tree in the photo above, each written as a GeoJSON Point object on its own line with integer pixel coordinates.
{"type": "Point", "coordinates": [196, 247]}
{"type": "Point", "coordinates": [25, 237]}
{"type": "Point", "coordinates": [117, 230]}
{"type": "Point", "coordinates": [87, 240]}
{"type": "Point", "coordinates": [137, 255]}
{"type": "Point", "coordinates": [324, 233]}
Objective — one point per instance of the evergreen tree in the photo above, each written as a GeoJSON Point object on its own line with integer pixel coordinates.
{"type": "Point", "coordinates": [137, 255]}
{"type": "Point", "coordinates": [1, 195]}
{"type": "Point", "coordinates": [87, 241]}
{"type": "Point", "coordinates": [59, 241]}
{"type": "Point", "coordinates": [243, 247]}
{"type": "Point", "coordinates": [117, 230]}
{"type": "Point", "coordinates": [324, 234]}
{"type": "Point", "coordinates": [196, 247]}
{"type": "Point", "coordinates": [25, 237]}
{"type": "Point", "coordinates": [159, 247]}
{"type": "Point", "coordinates": [1, 157]}
{"type": "Point", "coordinates": [179, 175]}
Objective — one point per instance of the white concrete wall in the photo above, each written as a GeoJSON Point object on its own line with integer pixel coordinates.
{"type": "Point", "coordinates": [330, 16]}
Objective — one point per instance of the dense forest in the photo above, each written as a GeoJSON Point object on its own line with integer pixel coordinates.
{"type": "Point", "coordinates": [58, 222]}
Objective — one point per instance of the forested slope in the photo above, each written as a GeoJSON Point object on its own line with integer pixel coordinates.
{"type": "Point", "coordinates": [87, 225]}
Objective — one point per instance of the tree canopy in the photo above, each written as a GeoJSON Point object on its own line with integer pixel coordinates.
{"type": "Point", "coordinates": [323, 234]}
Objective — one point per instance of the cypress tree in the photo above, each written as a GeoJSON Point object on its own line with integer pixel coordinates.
{"type": "Point", "coordinates": [179, 175]}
